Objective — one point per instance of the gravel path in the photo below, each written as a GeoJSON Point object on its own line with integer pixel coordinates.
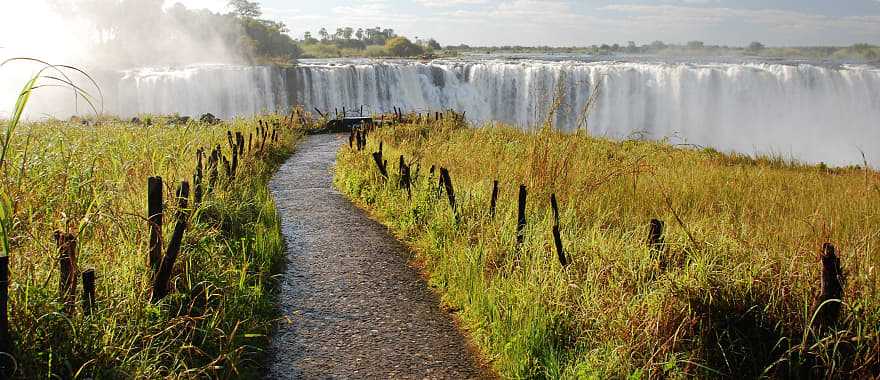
{"type": "Point", "coordinates": [354, 307]}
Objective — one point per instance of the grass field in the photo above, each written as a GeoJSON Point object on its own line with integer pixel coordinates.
{"type": "Point", "coordinates": [91, 180]}
{"type": "Point", "coordinates": [730, 294]}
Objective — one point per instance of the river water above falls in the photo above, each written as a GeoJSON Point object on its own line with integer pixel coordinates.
{"type": "Point", "coordinates": [805, 111]}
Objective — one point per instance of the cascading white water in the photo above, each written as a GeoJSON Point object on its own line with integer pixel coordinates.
{"type": "Point", "coordinates": [803, 111]}
{"type": "Point", "coordinates": [223, 90]}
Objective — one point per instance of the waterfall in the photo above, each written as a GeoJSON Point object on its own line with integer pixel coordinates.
{"type": "Point", "coordinates": [223, 90]}
{"type": "Point", "coordinates": [807, 112]}
{"type": "Point", "coordinates": [804, 111]}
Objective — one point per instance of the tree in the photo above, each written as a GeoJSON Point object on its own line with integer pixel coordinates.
{"type": "Point", "coordinates": [324, 35]}
{"type": "Point", "coordinates": [402, 47]}
{"type": "Point", "coordinates": [307, 38]}
{"type": "Point", "coordinates": [695, 45]}
{"type": "Point", "coordinates": [658, 45]}
{"type": "Point", "coordinates": [631, 47]}
{"type": "Point", "coordinates": [756, 46]}
{"type": "Point", "coordinates": [434, 45]}
{"type": "Point", "coordinates": [245, 9]}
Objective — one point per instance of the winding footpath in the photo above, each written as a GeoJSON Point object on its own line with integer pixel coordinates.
{"type": "Point", "coordinates": [353, 306]}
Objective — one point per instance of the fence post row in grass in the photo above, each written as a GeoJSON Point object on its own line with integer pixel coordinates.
{"type": "Point", "coordinates": [557, 239]}
{"type": "Point", "coordinates": [826, 308]}
{"type": "Point", "coordinates": [521, 216]}
{"type": "Point", "coordinates": [68, 273]}
{"type": "Point", "coordinates": [154, 217]}
{"type": "Point", "coordinates": [493, 203]}
{"type": "Point", "coordinates": [5, 339]}
{"type": "Point", "coordinates": [88, 279]}
{"type": "Point", "coordinates": [160, 285]}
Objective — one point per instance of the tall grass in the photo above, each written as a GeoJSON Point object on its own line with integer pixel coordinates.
{"type": "Point", "coordinates": [730, 297]}
{"type": "Point", "coordinates": [91, 180]}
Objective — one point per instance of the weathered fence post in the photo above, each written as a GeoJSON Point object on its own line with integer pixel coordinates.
{"type": "Point", "coordinates": [197, 179]}
{"type": "Point", "coordinates": [234, 166]}
{"type": "Point", "coordinates": [450, 191]}
{"type": "Point", "coordinates": [494, 200]}
{"type": "Point", "coordinates": [655, 235]}
{"type": "Point", "coordinates": [383, 170]}
{"type": "Point", "coordinates": [405, 179]}
{"type": "Point", "coordinates": [521, 216]}
{"type": "Point", "coordinates": [88, 279]}
{"type": "Point", "coordinates": [826, 307]}
{"type": "Point", "coordinates": [160, 284]}
{"type": "Point", "coordinates": [68, 273]}
{"type": "Point", "coordinates": [5, 339]}
{"type": "Point", "coordinates": [154, 217]}
{"type": "Point", "coordinates": [557, 239]}
{"type": "Point", "coordinates": [213, 163]}
{"type": "Point", "coordinates": [227, 168]}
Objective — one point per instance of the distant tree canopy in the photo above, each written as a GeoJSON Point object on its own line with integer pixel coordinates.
{"type": "Point", "coordinates": [245, 9]}
{"type": "Point", "coordinates": [348, 41]}
{"type": "Point", "coordinates": [265, 40]}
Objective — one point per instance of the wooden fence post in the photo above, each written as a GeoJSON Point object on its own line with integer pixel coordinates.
{"type": "Point", "coordinates": [160, 285]}
{"type": "Point", "coordinates": [5, 338]}
{"type": "Point", "coordinates": [494, 200]}
{"type": "Point", "coordinates": [234, 167]}
{"type": "Point", "coordinates": [826, 307]}
{"type": "Point", "coordinates": [521, 216]}
{"type": "Point", "coordinates": [450, 191]}
{"type": "Point", "coordinates": [383, 168]}
{"type": "Point", "coordinates": [154, 217]}
{"type": "Point", "coordinates": [557, 239]}
{"type": "Point", "coordinates": [68, 273]}
{"type": "Point", "coordinates": [405, 179]}
{"type": "Point", "coordinates": [88, 279]}
{"type": "Point", "coordinates": [213, 163]}
{"type": "Point", "coordinates": [197, 180]}
{"type": "Point", "coordinates": [655, 235]}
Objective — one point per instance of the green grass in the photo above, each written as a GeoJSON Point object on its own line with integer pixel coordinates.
{"type": "Point", "coordinates": [91, 180]}
{"type": "Point", "coordinates": [741, 264]}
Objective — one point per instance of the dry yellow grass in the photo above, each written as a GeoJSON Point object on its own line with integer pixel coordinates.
{"type": "Point", "coordinates": [741, 263]}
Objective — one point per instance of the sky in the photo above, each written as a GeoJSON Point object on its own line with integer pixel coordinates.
{"type": "Point", "coordinates": [588, 22]}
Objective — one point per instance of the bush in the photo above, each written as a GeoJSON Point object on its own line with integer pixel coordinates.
{"type": "Point", "coordinates": [402, 47]}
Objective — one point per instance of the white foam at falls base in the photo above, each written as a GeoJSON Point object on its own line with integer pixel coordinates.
{"type": "Point", "coordinates": [806, 112]}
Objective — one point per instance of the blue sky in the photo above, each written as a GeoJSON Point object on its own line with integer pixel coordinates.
{"type": "Point", "coordinates": [587, 22]}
